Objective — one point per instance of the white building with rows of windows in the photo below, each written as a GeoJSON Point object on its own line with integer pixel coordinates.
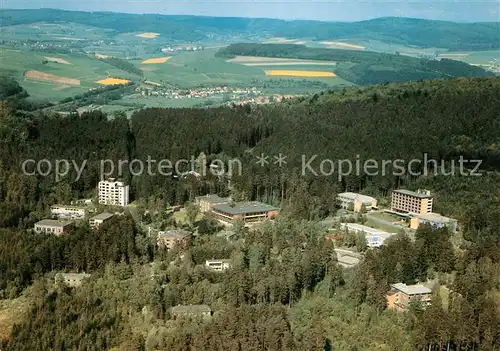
{"type": "Point", "coordinates": [113, 193]}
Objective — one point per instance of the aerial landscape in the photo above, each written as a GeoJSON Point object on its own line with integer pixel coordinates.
{"type": "Point", "coordinates": [229, 177]}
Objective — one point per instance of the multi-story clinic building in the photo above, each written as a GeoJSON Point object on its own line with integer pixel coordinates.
{"type": "Point", "coordinates": [346, 200]}
{"type": "Point", "coordinates": [412, 202]}
{"type": "Point", "coordinates": [67, 212]}
{"type": "Point", "coordinates": [50, 226]}
{"type": "Point", "coordinates": [401, 295]}
{"type": "Point", "coordinates": [114, 193]}
{"type": "Point", "coordinates": [249, 212]}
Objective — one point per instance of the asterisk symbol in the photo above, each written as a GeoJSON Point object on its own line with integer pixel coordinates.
{"type": "Point", "coordinates": [280, 160]}
{"type": "Point", "coordinates": [262, 160]}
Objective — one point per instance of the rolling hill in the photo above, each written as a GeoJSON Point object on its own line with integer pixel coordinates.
{"type": "Point", "coordinates": [362, 67]}
{"type": "Point", "coordinates": [408, 31]}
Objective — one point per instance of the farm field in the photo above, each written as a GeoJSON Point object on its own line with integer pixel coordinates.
{"type": "Point", "coordinates": [113, 81]}
{"type": "Point", "coordinates": [148, 35]}
{"type": "Point", "coordinates": [280, 40]}
{"type": "Point", "coordinates": [491, 57]}
{"type": "Point", "coordinates": [191, 69]}
{"type": "Point", "coordinates": [47, 77]}
{"type": "Point", "coordinates": [86, 70]}
{"type": "Point", "coordinates": [274, 61]}
{"type": "Point", "coordinates": [155, 61]}
{"type": "Point", "coordinates": [64, 32]}
{"type": "Point", "coordinates": [341, 45]}
{"type": "Point", "coordinates": [298, 73]}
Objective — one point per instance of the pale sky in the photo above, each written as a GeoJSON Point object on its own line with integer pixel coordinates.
{"type": "Point", "coordinates": [326, 10]}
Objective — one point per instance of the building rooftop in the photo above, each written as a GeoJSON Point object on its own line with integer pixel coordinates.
{"type": "Point", "coordinates": [54, 223]}
{"type": "Point", "coordinates": [245, 207]}
{"type": "Point", "coordinates": [436, 217]}
{"type": "Point", "coordinates": [79, 207]}
{"type": "Point", "coordinates": [364, 228]}
{"type": "Point", "coordinates": [423, 194]}
{"type": "Point", "coordinates": [176, 233]}
{"type": "Point", "coordinates": [213, 198]}
{"type": "Point", "coordinates": [223, 260]}
{"type": "Point", "coordinates": [356, 196]}
{"type": "Point", "coordinates": [347, 260]}
{"type": "Point", "coordinates": [73, 276]}
{"type": "Point", "coordinates": [412, 289]}
{"type": "Point", "coordinates": [190, 309]}
{"type": "Point", "coordinates": [103, 216]}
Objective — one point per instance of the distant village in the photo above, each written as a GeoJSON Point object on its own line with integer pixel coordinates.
{"type": "Point", "coordinates": [228, 95]}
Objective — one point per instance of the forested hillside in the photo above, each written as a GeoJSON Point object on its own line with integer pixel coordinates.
{"type": "Point", "coordinates": [443, 118]}
{"type": "Point", "coordinates": [406, 31]}
{"type": "Point", "coordinates": [363, 67]}
{"type": "Point", "coordinates": [286, 290]}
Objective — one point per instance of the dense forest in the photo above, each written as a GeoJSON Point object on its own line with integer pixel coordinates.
{"type": "Point", "coordinates": [285, 290]}
{"type": "Point", "coordinates": [369, 67]}
{"type": "Point", "coordinates": [405, 31]}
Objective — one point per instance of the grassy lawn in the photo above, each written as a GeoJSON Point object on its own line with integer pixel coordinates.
{"type": "Point", "coordinates": [378, 225]}
{"type": "Point", "coordinates": [385, 216]}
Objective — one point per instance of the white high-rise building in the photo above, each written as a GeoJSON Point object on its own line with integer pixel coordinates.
{"type": "Point", "coordinates": [112, 192]}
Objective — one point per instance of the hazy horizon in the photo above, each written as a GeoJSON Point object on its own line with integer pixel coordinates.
{"type": "Point", "coordinates": [323, 10]}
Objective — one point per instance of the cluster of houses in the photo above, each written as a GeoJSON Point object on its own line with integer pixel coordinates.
{"type": "Point", "coordinates": [153, 89]}
{"type": "Point", "coordinates": [182, 48]}
{"type": "Point", "coordinates": [414, 206]}
{"type": "Point", "coordinates": [227, 211]}
{"type": "Point", "coordinates": [63, 217]}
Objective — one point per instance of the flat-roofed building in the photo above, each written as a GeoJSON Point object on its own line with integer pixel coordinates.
{"type": "Point", "coordinates": [67, 212]}
{"type": "Point", "coordinates": [412, 202]}
{"type": "Point", "coordinates": [113, 193]}
{"type": "Point", "coordinates": [401, 296]}
{"type": "Point", "coordinates": [249, 212]}
{"type": "Point", "coordinates": [51, 226]}
{"type": "Point", "coordinates": [96, 221]}
{"type": "Point", "coordinates": [168, 239]}
{"type": "Point", "coordinates": [71, 279]}
{"type": "Point", "coordinates": [374, 237]}
{"type": "Point", "coordinates": [347, 261]}
{"type": "Point", "coordinates": [218, 265]}
{"type": "Point", "coordinates": [206, 202]}
{"type": "Point", "coordinates": [435, 220]}
{"type": "Point", "coordinates": [190, 311]}
{"type": "Point", "coordinates": [356, 201]}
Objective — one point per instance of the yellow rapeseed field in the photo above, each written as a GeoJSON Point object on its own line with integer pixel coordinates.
{"type": "Point", "coordinates": [148, 35]}
{"type": "Point", "coordinates": [292, 73]}
{"type": "Point", "coordinates": [113, 81]}
{"type": "Point", "coordinates": [155, 61]}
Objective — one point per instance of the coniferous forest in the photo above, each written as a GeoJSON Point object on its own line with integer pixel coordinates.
{"type": "Point", "coordinates": [286, 290]}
